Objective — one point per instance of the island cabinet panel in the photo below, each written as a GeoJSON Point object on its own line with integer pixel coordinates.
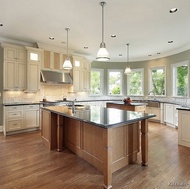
{"type": "Point", "coordinates": [72, 135]}
{"type": "Point", "coordinates": [93, 143]}
{"type": "Point", "coordinates": [49, 129]}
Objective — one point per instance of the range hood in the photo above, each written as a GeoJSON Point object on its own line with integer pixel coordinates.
{"type": "Point", "coordinates": [49, 76]}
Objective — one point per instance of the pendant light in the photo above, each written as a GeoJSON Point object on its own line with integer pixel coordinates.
{"type": "Point", "coordinates": [67, 64]}
{"type": "Point", "coordinates": [102, 54]}
{"type": "Point", "coordinates": [127, 69]}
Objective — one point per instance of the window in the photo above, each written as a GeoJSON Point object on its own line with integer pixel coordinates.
{"type": "Point", "coordinates": [115, 82]}
{"type": "Point", "coordinates": [96, 82]}
{"type": "Point", "coordinates": [157, 81]}
{"type": "Point", "coordinates": [135, 82]}
{"type": "Point", "coordinates": [180, 79]}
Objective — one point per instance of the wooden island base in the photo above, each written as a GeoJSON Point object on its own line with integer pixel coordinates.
{"type": "Point", "coordinates": [108, 149]}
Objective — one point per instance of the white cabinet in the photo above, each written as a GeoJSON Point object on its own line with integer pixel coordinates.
{"type": "Point", "coordinates": [33, 69]}
{"type": "Point", "coordinates": [20, 118]}
{"type": "Point", "coordinates": [81, 75]}
{"type": "Point", "coordinates": [14, 67]}
{"type": "Point", "coordinates": [52, 59]}
{"type": "Point", "coordinates": [184, 128]}
{"type": "Point", "coordinates": [31, 116]}
{"type": "Point", "coordinates": [153, 110]}
{"type": "Point", "coordinates": [171, 114]}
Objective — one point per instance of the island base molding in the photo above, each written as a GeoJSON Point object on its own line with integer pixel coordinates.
{"type": "Point", "coordinates": [107, 149]}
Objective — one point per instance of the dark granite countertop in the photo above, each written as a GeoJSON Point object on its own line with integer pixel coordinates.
{"type": "Point", "coordinates": [184, 108]}
{"type": "Point", "coordinates": [100, 116]}
{"type": "Point", "coordinates": [20, 103]}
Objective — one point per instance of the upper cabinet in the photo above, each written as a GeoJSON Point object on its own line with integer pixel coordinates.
{"type": "Point", "coordinates": [34, 57]}
{"type": "Point", "coordinates": [81, 74]}
{"type": "Point", "coordinates": [14, 67]}
{"type": "Point", "coordinates": [52, 60]}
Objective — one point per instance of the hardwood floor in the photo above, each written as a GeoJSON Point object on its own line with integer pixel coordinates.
{"type": "Point", "coordinates": [26, 164]}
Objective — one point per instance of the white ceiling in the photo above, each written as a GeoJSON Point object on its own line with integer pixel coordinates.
{"type": "Point", "coordinates": [146, 24]}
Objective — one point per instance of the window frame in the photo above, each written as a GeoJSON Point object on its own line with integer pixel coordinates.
{"type": "Point", "coordinates": [142, 81]}
{"type": "Point", "coordinates": [150, 80]}
{"type": "Point", "coordinates": [121, 81]}
{"type": "Point", "coordinates": [173, 78]}
{"type": "Point", "coordinates": [101, 71]}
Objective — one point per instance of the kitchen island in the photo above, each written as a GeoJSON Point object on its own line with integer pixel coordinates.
{"type": "Point", "coordinates": [105, 137]}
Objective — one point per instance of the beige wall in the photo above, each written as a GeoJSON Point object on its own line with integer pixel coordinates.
{"type": "Point", "coordinates": [166, 61]}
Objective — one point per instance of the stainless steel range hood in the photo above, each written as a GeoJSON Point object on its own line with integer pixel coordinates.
{"type": "Point", "coordinates": [49, 76]}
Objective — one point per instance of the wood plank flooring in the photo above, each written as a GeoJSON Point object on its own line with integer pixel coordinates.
{"type": "Point", "coordinates": [26, 164]}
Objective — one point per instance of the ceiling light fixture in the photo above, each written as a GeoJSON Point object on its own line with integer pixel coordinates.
{"type": "Point", "coordinates": [52, 38]}
{"type": "Point", "coordinates": [173, 10]}
{"type": "Point", "coordinates": [127, 69]}
{"type": "Point", "coordinates": [170, 41]}
{"type": "Point", "coordinates": [67, 64]}
{"type": "Point", "coordinates": [113, 36]}
{"type": "Point", "coordinates": [1, 24]}
{"type": "Point", "coordinates": [102, 54]}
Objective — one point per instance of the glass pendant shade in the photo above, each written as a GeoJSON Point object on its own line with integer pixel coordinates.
{"type": "Point", "coordinates": [67, 64]}
{"type": "Point", "coordinates": [127, 70]}
{"type": "Point", "coordinates": [102, 54]}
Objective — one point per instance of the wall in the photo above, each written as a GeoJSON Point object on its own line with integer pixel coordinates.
{"type": "Point", "coordinates": [1, 86]}
{"type": "Point", "coordinates": [166, 61]}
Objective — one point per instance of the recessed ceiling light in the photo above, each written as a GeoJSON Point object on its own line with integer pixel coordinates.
{"type": "Point", "coordinates": [113, 36]}
{"type": "Point", "coordinates": [120, 55]}
{"type": "Point", "coordinates": [85, 47]}
{"type": "Point", "coordinates": [158, 53]}
{"type": "Point", "coordinates": [173, 10]}
{"type": "Point", "coordinates": [170, 41]}
{"type": "Point", "coordinates": [51, 38]}
{"type": "Point", "coordinates": [1, 24]}
{"type": "Point", "coordinates": [149, 55]}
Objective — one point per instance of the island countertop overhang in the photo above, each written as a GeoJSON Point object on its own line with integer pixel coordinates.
{"type": "Point", "coordinates": [100, 116]}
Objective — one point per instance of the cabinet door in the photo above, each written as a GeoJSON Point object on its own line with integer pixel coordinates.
{"type": "Point", "coordinates": [10, 79]}
{"type": "Point", "coordinates": [76, 80]}
{"type": "Point", "coordinates": [21, 75]}
{"type": "Point", "coordinates": [156, 111]}
{"type": "Point", "coordinates": [56, 62]}
{"type": "Point", "coordinates": [33, 77]}
{"type": "Point", "coordinates": [13, 125]}
{"type": "Point", "coordinates": [33, 69]}
{"type": "Point", "coordinates": [169, 113]}
{"type": "Point", "coordinates": [31, 118]}
{"type": "Point", "coordinates": [10, 53]}
{"type": "Point", "coordinates": [47, 59]}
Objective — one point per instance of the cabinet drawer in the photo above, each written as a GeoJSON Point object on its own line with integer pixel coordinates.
{"type": "Point", "coordinates": [14, 114]}
{"type": "Point", "coordinates": [31, 107]}
{"type": "Point", "coordinates": [13, 125]}
{"type": "Point", "coordinates": [13, 108]}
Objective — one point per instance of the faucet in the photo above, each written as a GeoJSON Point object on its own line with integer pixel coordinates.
{"type": "Point", "coordinates": [153, 94]}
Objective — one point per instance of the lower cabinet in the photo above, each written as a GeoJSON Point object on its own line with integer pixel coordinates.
{"type": "Point", "coordinates": [154, 110]}
{"type": "Point", "coordinates": [171, 114]}
{"type": "Point", "coordinates": [183, 128]}
{"type": "Point", "coordinates": [20, 118]}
